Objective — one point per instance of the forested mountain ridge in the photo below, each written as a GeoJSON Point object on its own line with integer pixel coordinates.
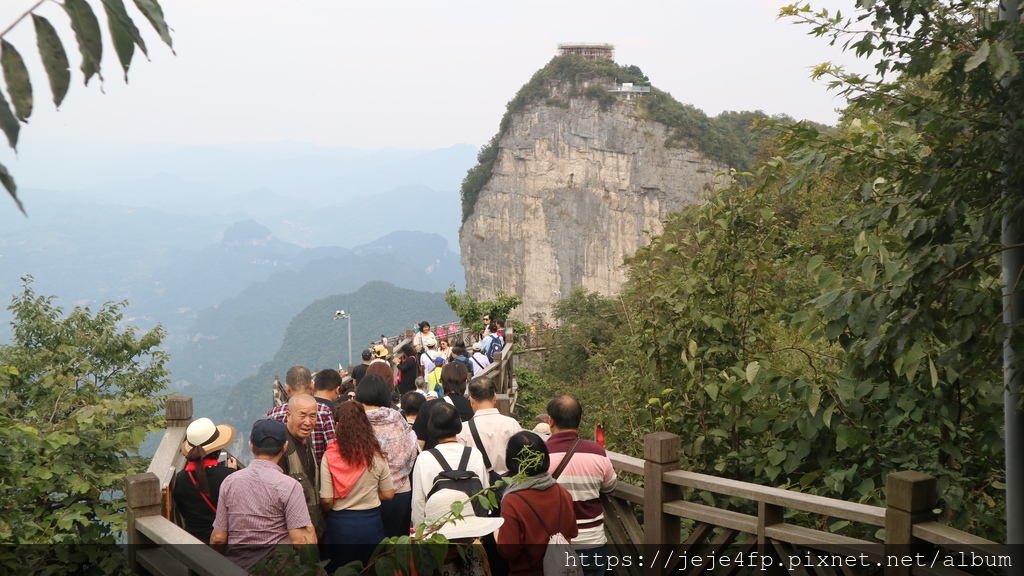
{"type": "Point", "coordinates": [242, 332]}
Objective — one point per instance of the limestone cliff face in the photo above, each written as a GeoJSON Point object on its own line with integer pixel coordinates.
{"type": "Point", "coordinates": [573, 192]}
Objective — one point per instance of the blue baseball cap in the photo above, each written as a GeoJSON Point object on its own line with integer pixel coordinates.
{"type": "Point", "coordinates": [268, 433]}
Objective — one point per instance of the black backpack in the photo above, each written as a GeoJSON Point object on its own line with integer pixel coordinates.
{"type": "Point", "coordinates": [462, 360]}
{"type": "Point", "coordinates": [459, 479]}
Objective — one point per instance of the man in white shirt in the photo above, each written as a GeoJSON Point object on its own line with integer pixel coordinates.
{"type": "Point", "coordinates": [478, 359]}
{"type": "Point", "coordinates": [493, 429]}
{"type": "Point", "coordinates": [428, 356]}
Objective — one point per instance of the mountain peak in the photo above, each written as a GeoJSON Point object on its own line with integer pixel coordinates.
{"type": "Point", "coordinates": [247, 232]}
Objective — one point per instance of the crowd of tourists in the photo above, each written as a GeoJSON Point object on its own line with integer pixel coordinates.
{"type": "Point", "coordinates": [345, 465]}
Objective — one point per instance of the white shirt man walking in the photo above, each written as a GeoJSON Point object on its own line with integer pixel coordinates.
{"type": "Point", "coordinates": [493, 429]}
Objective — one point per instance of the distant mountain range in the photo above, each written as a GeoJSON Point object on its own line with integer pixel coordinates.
{"type": "Point", "coordinates": [225, 245]}
{"type": "Point", "coordinates": [315, 340]}
{"type": "Point", "coordinates": [238, 335]}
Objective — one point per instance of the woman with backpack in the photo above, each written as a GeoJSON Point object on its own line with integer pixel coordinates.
{"type": "Point", "coordinates": [442, 466]}
{"type": "Point", "coordinates": [354, 479]}
{"type": "Point", "coordinates": [534, 509]}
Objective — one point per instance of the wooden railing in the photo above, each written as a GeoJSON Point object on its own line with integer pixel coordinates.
{"type": "Point", "coordinates": [908, 518]}
{"type": "Point", "coordinates": [156, 545]}
{"type": "Point", "coordinates": [159, 546]}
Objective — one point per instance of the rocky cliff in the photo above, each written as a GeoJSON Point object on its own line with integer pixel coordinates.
{"type": "Point", "coordinates": [579, 181]}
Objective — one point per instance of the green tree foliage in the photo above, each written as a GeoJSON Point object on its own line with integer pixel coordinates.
{"type": "Point", "coordinates": [789, 351]}
{"type": "Point", "coordinates": [124, 35]}
{"type": "Point", "coordinates": [471, 309]}
{"type": "Point", "coordinates": [78, 394]}
{"type": "Point", "coordinates": [587, 323]}
{"type": "Point", "coordinates": [477, 176]}
{"type": "Point", "coordinates": [936, 139]}
{"type": "Point", "coordinates": [712, 303]}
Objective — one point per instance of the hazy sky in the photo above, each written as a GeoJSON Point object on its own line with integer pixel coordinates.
{"type": "Point", "coordinates": [409, 74]}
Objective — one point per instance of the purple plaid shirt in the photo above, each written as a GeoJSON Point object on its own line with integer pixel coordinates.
{"type": "Point", "coordinates": [257, 508]}
{"type": "Point", "coordinates": [323, 432]}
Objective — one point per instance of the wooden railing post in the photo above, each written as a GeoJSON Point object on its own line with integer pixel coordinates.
{"type": "Point", "coordinates": [142, 491]}
{"type": "Point", "coordinates": [661, 454]}
{"type": "Point", "coordinates": [178, 411]}
{"type": "Point", "coordinates": [767, 514]}
{"type": "Point", "coordinates": [910, 498]}
{"type": "Point", "coordinates": [504, 404]}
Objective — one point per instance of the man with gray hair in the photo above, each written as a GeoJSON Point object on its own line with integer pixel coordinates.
{"type": "Point", "coordinates": [299, 461]}
{"type": "Point", "coordinates": [488, 430]}
{"type": "Point", "coordinates": [299, 381]}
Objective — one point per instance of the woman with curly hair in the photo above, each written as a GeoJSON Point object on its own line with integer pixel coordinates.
{"type": "Point", "coordinates": [398, 442]}
{"type": "Point", "coordinates": [354, 479]}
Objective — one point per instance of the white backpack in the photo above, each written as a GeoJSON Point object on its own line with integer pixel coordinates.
{"type": "Point", "coordinates": [559, 557]}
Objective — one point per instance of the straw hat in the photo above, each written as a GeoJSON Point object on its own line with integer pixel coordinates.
{"type": "Point", "coordinates": [471, 525]}
{"type": "Point", "coordinates": [205, 434]}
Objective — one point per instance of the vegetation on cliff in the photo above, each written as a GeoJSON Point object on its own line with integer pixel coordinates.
{"type": "Point", "coordinates": [730, 139]}
{"type": "Point", "coordinates": [839, 317]}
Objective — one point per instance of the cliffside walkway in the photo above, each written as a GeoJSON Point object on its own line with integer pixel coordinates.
{"type": "Point", "coordinates": [645, 516]}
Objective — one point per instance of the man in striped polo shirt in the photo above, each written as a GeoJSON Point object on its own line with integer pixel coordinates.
{"type": "Point", "coordinates": [587, 474]}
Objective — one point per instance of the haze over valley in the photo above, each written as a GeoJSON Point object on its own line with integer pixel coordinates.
{"type": "Point", "coordinates": [224, 245]}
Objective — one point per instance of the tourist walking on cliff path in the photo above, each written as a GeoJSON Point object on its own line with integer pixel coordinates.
{"type": "Point", "coordinates": [298, 380]}
{"type": "Point", "coordinates": [533, 508]}
{"type": "Point", "coordinates": [583, 468]}
{"type": "Point", "coordinates": [479, 360]}
{"type": "Point", "coordinates": [423, 337]}
{"type": "Point", "coordinates": [398, 444]}
{"type": "Point", "coordinates": [251, 528]}
{"type": "Point", "coordinates": [355, 478]}
{"type": "Point", "coordinates": [197, 487]}
{"type": "Point", "coordinates": [409, 369]}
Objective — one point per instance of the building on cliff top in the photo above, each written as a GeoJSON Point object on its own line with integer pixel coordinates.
{"type": "Point", "coordinates": [588, 51]}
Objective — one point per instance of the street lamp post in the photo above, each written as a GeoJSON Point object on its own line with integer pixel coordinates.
{"type": "Point", "coordinates": [341, 315]}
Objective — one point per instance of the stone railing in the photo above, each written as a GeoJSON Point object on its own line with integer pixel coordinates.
{"type": "Point", "coordinates": [156, 545]}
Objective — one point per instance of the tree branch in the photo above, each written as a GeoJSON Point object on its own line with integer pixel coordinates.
{"type": "Point", "coordinates": [22, 17]}
{"type": "Point", "coordinates": [969, 263]}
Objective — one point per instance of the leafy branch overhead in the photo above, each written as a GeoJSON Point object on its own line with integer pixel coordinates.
{"type": "Point", "coordinates": [124, 35]}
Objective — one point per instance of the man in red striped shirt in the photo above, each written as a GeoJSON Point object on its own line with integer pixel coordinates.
{"type": "Point", "coordinates": [587, 474]}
